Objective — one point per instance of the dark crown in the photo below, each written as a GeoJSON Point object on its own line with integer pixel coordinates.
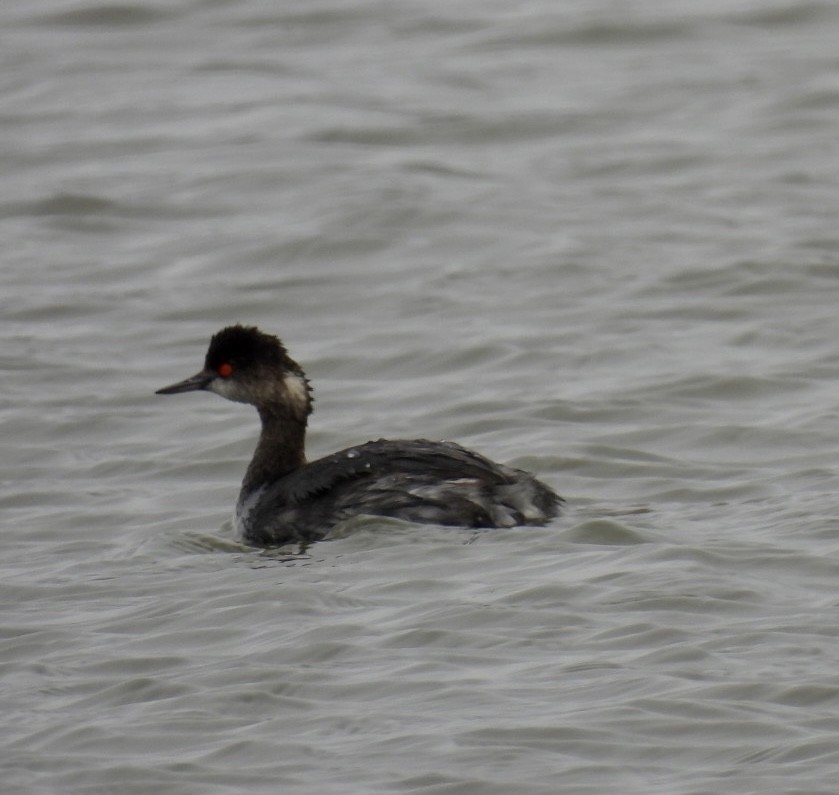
{"type": "Point", "coordinates": [245, 347]}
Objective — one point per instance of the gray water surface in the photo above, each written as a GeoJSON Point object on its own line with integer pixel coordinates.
{"type": "Point", "coordinates": [595, 240]}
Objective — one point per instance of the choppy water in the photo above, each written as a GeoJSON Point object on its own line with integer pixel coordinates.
{"type": "Point", "coordinates": [597, 240]}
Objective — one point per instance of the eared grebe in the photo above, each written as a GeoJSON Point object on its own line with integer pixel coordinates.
{"type": "Point", "coordinates": [284, 499]}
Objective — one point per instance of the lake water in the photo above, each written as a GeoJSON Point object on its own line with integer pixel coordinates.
{"type": "Point", "coordinates": [598, 240]}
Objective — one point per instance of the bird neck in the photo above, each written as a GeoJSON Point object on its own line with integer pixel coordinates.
{"type": "Point", "coordinates": [281, 448]}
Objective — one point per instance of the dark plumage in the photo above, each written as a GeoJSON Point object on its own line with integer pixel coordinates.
{"type": "Point", "coordinates": [284, 499]}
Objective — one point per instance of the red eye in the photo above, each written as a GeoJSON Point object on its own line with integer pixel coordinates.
{"type": "Point", "coordinates": [225, 370]}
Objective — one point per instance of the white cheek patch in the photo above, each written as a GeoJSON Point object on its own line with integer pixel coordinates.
{"type": "Point", "coordinates": [293, 393]}
{"type": "Point", "coordinates": [298, 391]}
{"type": "Point", "coordinates": [226, 388]}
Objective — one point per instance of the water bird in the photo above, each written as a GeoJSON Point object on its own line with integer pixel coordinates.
{"type": "Point", "coordinates": [286, 500]}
